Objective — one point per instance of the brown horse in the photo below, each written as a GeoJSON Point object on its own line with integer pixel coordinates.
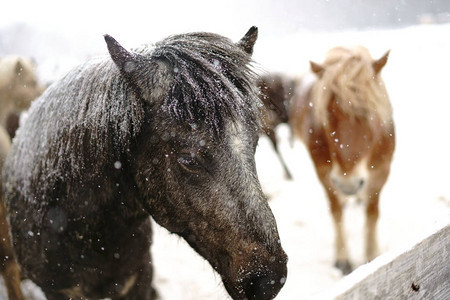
{"type": "Point", "coordinates": [345, 119]}
{"type": "Point", "coordinates": [8, 265]}
{"type": "Point", "coordinates": [18, 87]}
{"type": "Point", "coordinates": [276, 91]}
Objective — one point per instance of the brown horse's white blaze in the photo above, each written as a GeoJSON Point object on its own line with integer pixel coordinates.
{"type": "Point", "coordinates": [345, 119]}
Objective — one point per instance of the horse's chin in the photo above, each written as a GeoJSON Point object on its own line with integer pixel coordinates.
{"type": "Point", "coordinates": [263, 286]}
{"type": "Point", "coordinates": [235, 290]}
{"type": "Point", "coordinates": [263, 282]}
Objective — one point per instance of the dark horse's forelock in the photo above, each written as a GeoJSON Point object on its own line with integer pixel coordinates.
{"type": "Point", "coordinates": [212, 80]}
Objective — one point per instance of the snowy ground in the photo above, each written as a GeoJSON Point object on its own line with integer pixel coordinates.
{"type": "Point", "coordinates": [414, 202]}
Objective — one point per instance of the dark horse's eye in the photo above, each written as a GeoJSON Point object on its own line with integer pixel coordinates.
{"type": "Point", "coordinates": [189, 162]}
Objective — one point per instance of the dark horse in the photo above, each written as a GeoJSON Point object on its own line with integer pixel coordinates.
{"type": "Point", "coordinates": [167, 131]}
{"type": "Point", "coordinates": [276, 91]}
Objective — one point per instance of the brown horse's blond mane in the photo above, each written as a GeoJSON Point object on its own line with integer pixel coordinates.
{"type": "Point", "coordinates": [349, 75]}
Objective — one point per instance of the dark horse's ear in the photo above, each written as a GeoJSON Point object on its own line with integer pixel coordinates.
{"type": "Point", "coordinates": [380, 63]}
{"type": "Point", "coordinates": [140, 71]}
{"type": "Point", "coordinates": [316, 68]}
{"type": "Point", "coordinates": [249, 39]}
{"type": "Point", "coordinates": [125, 60]}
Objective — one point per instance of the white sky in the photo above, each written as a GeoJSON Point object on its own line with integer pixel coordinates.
{"type": "Point", "coordinates": [155, 18]}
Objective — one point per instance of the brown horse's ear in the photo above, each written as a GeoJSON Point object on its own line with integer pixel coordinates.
{"type": "Point", "coordinates": [316, 68]}
{"type": "Point", "coordinates": [125, 60]}
{"type": "Point", "coordinates": [19, 67]}
{"type": "Point", "coordinates": [249, 39]}
{"type": "Point", "coordinates": [380, 63]}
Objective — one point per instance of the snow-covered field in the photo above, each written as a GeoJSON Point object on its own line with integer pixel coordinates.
{"type": "Point", "coordinates": [414, 202]}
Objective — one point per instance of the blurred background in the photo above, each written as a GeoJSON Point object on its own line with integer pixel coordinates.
{"type": "Point", "coordinates": [73, 29]}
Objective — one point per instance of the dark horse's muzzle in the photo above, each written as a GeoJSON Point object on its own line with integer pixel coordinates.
{"type": "Point", "coordinates": [265, 284]}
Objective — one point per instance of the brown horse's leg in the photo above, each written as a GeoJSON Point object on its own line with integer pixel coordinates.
{"type": "Point", "coordinates": [371, 228]}
{"type": "Point", "coordinates": [342, 261]}
{"type": "Point", "coordinates": [320, 155]}
{"type": "Point", "coordinates": [380, 163]}
{"type": "Point", "coordinates": [377, 179]}
{"type": "Point", "coordinates": [271, 134]}
{"type": "Point", "coordinates": [8, 265]}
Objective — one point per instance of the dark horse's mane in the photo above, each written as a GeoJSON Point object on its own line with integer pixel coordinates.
{"type": "Point", "coordinates": [90, 118]}
{"type": "Point", "coordinates": [208, 68]}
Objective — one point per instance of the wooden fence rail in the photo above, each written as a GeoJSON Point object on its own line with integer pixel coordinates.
{"type": "Point", "coordinates": [422, 272]}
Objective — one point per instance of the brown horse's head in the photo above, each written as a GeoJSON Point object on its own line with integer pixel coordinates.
{"type": "Point", "coordinates": [351, 103]}
{"type": "Point", "coordinates": [18, 87]}
{"type": "Point", "coordinates": [18, 82]}
{"type": "Point", "coordinates": [351, 78]}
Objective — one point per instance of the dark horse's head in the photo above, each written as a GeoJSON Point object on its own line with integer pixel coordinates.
{"type": "Point", "coordinates": [275, 92]}
{"type": "Point", "coordinates": [194, 161]}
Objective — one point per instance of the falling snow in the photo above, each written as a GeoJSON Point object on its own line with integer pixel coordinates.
{"type": "Point", "coordinates": [415, 72]}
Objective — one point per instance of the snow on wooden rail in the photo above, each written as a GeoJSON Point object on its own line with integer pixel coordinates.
{"type": "Point", "coordinates": [421, 272]}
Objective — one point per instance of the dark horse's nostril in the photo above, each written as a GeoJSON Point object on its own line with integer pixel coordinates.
{"type": "Point", "coordinates": [262, 287]}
